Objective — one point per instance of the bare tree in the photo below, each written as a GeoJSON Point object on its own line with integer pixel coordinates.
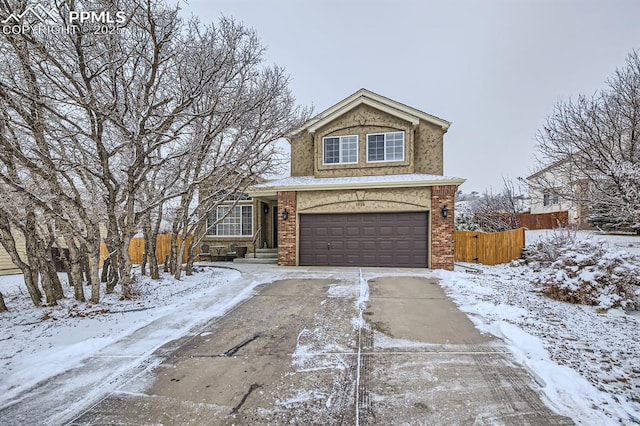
{"type": "Point", "coordinates": [116, 128]}
{"type": "Point", "coordinates": [495, 212]}
{"type": "Point", "coordinates": [592, 146]}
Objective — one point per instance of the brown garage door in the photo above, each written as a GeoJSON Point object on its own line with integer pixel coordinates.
{"type": "Point", "coordinates": [371, 239]}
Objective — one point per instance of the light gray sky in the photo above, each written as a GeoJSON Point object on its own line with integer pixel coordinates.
{"type": "Point", "coordinates": [495, 68]}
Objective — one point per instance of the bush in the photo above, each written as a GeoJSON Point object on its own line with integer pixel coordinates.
{"type": "Point", "coordinates": [587, 272]}
{"type": "Point", "coordinates": [546, 250]}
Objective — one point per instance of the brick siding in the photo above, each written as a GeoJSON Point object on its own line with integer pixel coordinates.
{"type": "Point", "coordinates": [287, 229]}
{"type": "Point", "coordinates": [442, 232]}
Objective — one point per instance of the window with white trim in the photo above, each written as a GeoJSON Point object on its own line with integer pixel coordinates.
{"type": "Point", "coordinates": [237, 223]}
{"type": "Point", "coordinates": [340, 149]}
{"type": "Point", "coordinates": [385, 147]}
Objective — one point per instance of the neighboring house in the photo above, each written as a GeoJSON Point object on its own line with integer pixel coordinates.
{"type": "Point", "coordinates": [366, 189]}
{"type": "Point", "coordinates": [546, 200]}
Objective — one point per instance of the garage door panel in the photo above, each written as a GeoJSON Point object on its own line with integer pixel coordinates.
{"type": "Point", "coordinates": [338, 246]}
{"type": "Point", "coordinates": [418, 245]}
{"type": "Point", "coordinates": [368, 259]}
{"type": "Point", "coordinates": [370, 239]}
{"type": "Point", "coordinates": [319, 245]}
{"type": "Point", "coordinates": [403, 230]}
{"type": "Point", "coordinates": [401, 245]}
{"type": "Point", "coordinates": [353, 245]}
{"type": "Point", "coordinates": [386, 230]}
{"type": "Point", "coordinates": [319, 232]}
{"type": "Point", "coordinates": [369, 231]}
{"type": "Point", "coordinates": [387, 245]}
{"type": "Point", "coordinates": [369, 245]}
{"type": "Point", "coordinates": [353, 231]}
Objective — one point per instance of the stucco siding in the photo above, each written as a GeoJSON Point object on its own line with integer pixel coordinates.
{"type": "Point", "coordinates": [423, 146]}
{"type": "Point", "coordinates": [365, 201]}
{"type": "Point", "coordinates": [361, 121]}
{"type": "Point", "coordinates": [302, 155]}
{"type": "Point", "coordinates": [428, 147]}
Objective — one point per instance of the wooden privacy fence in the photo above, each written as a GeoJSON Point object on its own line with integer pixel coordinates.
{"type": "Point", "coordinates": [489, 248]}
{"type": "Point", "coordinates": [544, 220]}
{"type": "Point", "coordinates": [136, 249]}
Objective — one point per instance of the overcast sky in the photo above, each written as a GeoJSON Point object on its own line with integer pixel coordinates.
{"type": "Point", "coordinates": [495, 68]}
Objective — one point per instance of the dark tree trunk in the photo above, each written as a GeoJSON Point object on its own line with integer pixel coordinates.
{"type": "Point", "coordinates": [3, 307]}
{"type": "Point", "coordinates": [105, 270]}
{"type": "Point", "coordinates": [114, 276]}
{"type": "Point", "coordinates": [154, 269]}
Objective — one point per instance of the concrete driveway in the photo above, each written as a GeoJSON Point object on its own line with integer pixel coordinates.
{"type": "Point", "coordinates": [333, 347]}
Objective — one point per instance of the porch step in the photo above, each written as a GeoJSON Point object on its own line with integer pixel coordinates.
{"type": "Point", "coordinates": [268, 253]}
{"type": "Point", "coordinates": [263, 255]}
{"type": "Point", "coordinates": [260, 260]}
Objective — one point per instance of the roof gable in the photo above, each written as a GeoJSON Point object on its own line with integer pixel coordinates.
{"type": "Point", "coordinates": [366, 97]}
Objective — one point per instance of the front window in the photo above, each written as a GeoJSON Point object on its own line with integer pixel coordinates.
{"type": "Point", "coordinates": [237, 223]}
{"type": "Point", "coordinates": [385, 147]}
{"type": "Point", "coordinates": [340, 149]}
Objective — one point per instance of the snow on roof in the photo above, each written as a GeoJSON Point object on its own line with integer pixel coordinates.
{"type": "Point", "coordinates": [302, 183]}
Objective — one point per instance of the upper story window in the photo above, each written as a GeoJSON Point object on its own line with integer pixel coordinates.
{"type": "Point", "coordinates": [549, 198]}
{"type": "Point", "coordinates": [340, 149]}
{"type": "Point", "coordinates": [385, 147]}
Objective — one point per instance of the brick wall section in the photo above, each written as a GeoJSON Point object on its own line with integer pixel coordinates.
{"type": "Point", "coordinates": [287, 229]}
{"type": "Point", "coordinates": [442, 231]}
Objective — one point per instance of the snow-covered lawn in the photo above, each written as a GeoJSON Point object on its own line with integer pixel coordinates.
{"type": "Point", "coordinates": [587, 360]}
{"type": "Point", "coordinates": [41, 343]}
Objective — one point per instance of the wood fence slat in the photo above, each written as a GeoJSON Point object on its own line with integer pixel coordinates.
{"type": "Point", "coordinates": [488, 248]}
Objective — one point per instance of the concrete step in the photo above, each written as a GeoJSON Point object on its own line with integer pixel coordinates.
{"type": "Point", "coordinates": [269, 253]}
{"type": "Point", "coordinates": [261, 260]}
{"type": "Point", "coordinates": [263, 255]}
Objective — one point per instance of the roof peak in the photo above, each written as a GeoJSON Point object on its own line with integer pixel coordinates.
{"type": "Point", "coordinates": [365, 96]}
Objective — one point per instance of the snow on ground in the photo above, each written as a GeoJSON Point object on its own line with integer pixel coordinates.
{"type": "Point", "coordinates": [41, 343]}
{"type": "Point", "coordinates": [587, 361]}
{"type": "Point", "coordinates": [628, 242]}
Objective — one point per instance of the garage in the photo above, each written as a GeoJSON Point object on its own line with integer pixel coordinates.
{"type": "Point", "coordinates": [364, 239]}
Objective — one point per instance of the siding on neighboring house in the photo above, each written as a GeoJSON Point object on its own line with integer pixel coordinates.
{"type": "Point", "coordinates": [6, 265]}
{"type": "Point", "coordinates": [547, 202]}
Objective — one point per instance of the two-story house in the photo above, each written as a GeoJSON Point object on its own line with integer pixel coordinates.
{"type": "Point", "coordinates": [547, 186]}
{"type": "Point", "coordinates": [366, 189]}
